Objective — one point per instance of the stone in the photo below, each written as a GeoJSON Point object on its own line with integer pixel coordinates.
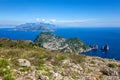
{"type": "Point", "coordinates": [56, 76]}
{"type": "Point", "coordinates": [41, 77]}
{"type": "Point", "coordinates": [24, 63]}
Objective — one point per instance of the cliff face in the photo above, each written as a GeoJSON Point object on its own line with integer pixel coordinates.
{"type": "Point", "coordinates": [26, 61]}
{"type": "Point", "coordinates": [56, 43]}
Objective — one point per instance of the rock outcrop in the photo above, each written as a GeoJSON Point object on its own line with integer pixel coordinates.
{"type": "Point", "coordinates": [56, 43]}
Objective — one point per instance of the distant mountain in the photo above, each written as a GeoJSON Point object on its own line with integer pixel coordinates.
{"type": "Point", "coordinates": [42, 27]}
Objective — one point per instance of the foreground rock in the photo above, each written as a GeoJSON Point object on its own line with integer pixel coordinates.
{"type": "Point", "coordinates": [24, 63]}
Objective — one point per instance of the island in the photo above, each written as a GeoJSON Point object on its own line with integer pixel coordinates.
{"type": "Point", "coordinates": [40, 26]}
{"type": "Point", "coordinates": [53, 42]}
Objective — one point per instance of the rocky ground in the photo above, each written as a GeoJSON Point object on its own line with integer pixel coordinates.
{"type": "Point", "coordinates": [24, 60]}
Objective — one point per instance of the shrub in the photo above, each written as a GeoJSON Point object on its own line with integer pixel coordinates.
{"type": "Point", "coordinates": [4, 72]}
{"type": "Point", "coordinates": [8, 77]}
{"type": "Point", "coordinates": [61, 57]}
{"type": "Point", "coordinates": [3, 63]}
{"type": "Point", "coordinates": [1, 44]}
{"type": "Point", "coordinates": [111, 65]}
{"type": "Point", "coordinates": [21, 46]}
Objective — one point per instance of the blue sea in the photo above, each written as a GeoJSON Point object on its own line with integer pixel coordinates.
{"type": "Point", "coordinates": [90, 36]}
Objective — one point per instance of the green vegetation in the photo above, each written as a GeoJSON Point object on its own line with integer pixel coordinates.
{"type": "Point", "coordinates": [112, 65]}
{"type": "Point", "coordinates": [5, 72]}
{"type": "Point", "coordinates": [24, 69]}
{"type": "Point", "coordinates": [77, 58]}
{"type": "Point", "coordinates": [1, 44]}
{"type": "Point", "coordinates": [40, 67]}
{"type": "Point", "coordinates": [8, 77]}
{"type": "Point", "coordinates": [45, 62]}
{"type": "Point", "coordinates": [3, 63]}
{"type": "Point", "coordinates": [6, 43]}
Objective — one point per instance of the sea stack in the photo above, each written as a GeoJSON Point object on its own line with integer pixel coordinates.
{"type": "Point", "coordinates": [95, 47]}
{"type": "Point", "coordinates": [105, 48]}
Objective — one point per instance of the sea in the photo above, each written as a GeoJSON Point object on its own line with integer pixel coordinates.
{"type": "Point", "coordinates": [101, 36]}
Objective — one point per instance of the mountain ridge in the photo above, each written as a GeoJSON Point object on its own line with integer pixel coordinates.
{"type": "Point", "coordinates": [41, 27]}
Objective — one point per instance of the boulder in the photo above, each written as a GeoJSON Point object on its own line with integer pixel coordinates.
{"type": "Point", "coordinates": [24, 63]}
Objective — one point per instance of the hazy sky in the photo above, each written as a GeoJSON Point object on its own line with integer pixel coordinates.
{"type": "Point", "coordinates": [61, 12]}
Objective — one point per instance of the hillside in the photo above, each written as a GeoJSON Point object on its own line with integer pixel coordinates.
{"type": "Point", "coordinates": [24, 60]}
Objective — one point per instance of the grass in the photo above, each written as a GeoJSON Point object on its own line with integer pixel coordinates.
{"type": "Point", "coordinates": [24, 69]}
{"type": "Point", "coordinates": [77, 58]}
{"type": "Point", "coordinates": [58, 58]}
{"type": "Point", "coordinates": [40, 67]}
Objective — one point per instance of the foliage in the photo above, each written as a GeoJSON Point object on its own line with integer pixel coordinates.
{"type": "Point", "coordinates": [1, 44]}
{"type": "Point", "coordinates": [8, 77]}
{"type": "Point", "coordinates": [4, 71]}
{"type": "Point", "coordinates": [77, 58]}
{"type": "Point", "coordinates": [111, 65]}
{"type": "Point", "coordinates": [58, 58]}
{"type": "Point", "coordinates": [3, 63]}
{"type": "Point", "coordinates": [24, 69]}
{"type": "Point", "coordinates": [15, 44]}
{"type": "Point", "coordinates": [40, 67]}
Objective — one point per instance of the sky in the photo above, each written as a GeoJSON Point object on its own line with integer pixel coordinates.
{"type": "Point", "coordinates": [61, 12]}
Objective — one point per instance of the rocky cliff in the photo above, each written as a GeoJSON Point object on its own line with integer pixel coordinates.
{"type": "Point", "coordinates": [56, 43]}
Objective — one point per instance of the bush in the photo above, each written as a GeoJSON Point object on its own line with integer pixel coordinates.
{"type": "Point", "coordinates": [61, 57]}
{"type": "Point", "coordinates": [21, 46]}
{"type": "Point", "coordinates": [111, 65]}
{"type": "Point", "coordinates": [4, 72]}
{"type": "Point", "coordinates": [1, 44]}
{"type": "Point", "coordinates": [3, 63]}
{"type": "Point", "coordinates": [8, 77]}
